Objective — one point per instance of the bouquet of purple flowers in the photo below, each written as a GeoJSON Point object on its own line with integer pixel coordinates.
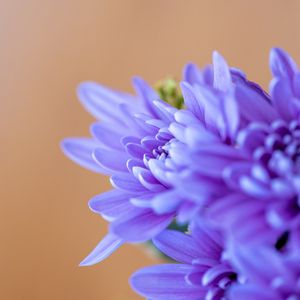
{"type": "Point", "coordinates": [215, 157]}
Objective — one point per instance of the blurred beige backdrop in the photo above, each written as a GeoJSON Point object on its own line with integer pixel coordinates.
{"type": "Point", "coordinates": [46, 49]}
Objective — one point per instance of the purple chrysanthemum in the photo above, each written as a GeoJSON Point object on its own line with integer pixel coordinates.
{"type": "Point", "coordinates": [202, 272]}
{"type": "Point", "coordinates": [129, 142]}
{"type": "Point", "coordinates": [264, 185]}
{"type": "Point", "coordinates": [143, 143]}
{"type": "Point", "coordinates": [135, 142]}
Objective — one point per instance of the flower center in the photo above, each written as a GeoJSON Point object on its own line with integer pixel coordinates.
{"type": "Point", "coordinates": [280, 151]}
{"type": "Point", "coordinates": [161, 152]}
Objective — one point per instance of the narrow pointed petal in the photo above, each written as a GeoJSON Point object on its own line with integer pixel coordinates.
{"type": "Point", "coordinates": [231, 116]}
{"type": "Point", "coordinates": [253, 106]}
{"type": "Point", "coordinates": [166, 202]}
{"type": "Point", "coordinates": [165, 282]}
{"type": "Point", "coordinates": [141, 226]}
{"type": "Point", "coordinates": [178, 131]}
{"type": "Point", "coordinates": [80, 151]}
{"type": "Point", "coordinates": [192, 74]}
{"type": "Point", "coordinates": [147, 94]}
{"type": "Point", "coordinates": [111, 160]}
{"type": "Point", "coordinates": [179, 246]}
{"type": "Point", "coordinates": [127, 183]}
{"type": "Point", "coordinates": [281, 64]}
{"type": "Point", "coordinates": [111, 205]}
{"type": "Point", "coordinates": [282, 96]}
{"type": "Point", "coordinates": [158, 169]}
{"type": "Point", "coordinates": [101, 101]}
{"type": "Point", "coordinates": [191, 101]}
{"type": "Point", "coordinates": [105, 248]}
{"type": "Point", "coordinates": [146, 178]}
{"type": "Point", "coordinates": [108, 135]}
{"type": "Point", "coordinates": [222, 77]}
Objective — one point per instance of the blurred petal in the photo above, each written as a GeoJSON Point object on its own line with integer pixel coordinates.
{"type": "Point", "coordinates": [166, 282]}
{"type": "Point", "coordinates": [80, 151]}
{"type": "Point", "coordinates": [179, 246]}
{"type": "Point", "coordinates": [281, 64]}
{"type": "Point", "coordinates": [140, 226]}
{"type": "Point", "coordinates": [105, 248]}
{"type": "Point", "coordinates": [111, 160]}
{"type": "Point", "coordinates": [111, 204]}
{"type": "Point", "coordinates": [102, 102]}
{"type": "Point", "coordinates": [222, 77]}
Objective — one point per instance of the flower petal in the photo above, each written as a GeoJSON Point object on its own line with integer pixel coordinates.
{"type": "Point", "coordinates": [127, 182]}
{"type": "Point", "coordinates": [192, 74]}
{"type": "Point", "coordinates": [108, 135]}
{"type": "Point", "coordinates": [281, 64]}
{"type": "Point", "coordinates": [166, 202]}
{"type": "Point", "coordinates": [111, 205]}
{"type": "Point", "coordinates": [80, 151]}
{"type": "Point", "coordinates": [111, 160]}
{"type": "Point", "coordinates": [102, 102]}
{"type": "Point", "coordinates": [222, 77]}
{"type": "Point", "coordinates": [177, 245]}
{"type": "Point", "coordinates": [165, 282]}
{"type": "Point", "coordinates": [253, 106]}
{"type": "Point", "coordinates": [105, 248]}
{"type": "Point", "coordinates": [140, 226]}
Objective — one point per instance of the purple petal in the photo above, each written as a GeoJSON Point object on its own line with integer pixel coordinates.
{"type": "Point", "coordinates": [250, 292]}
{"type": "Point", "coordinates": [126, 182]}
{"type": "Point", "coordinates": [166, 202]}
{"type": "Point", "coordinates": [102, 102]}
{"type": "Point", "coordinates": [209, 240]}
{"type": "Point", "coordinates": [198, 187]}
{"type": "Point", "coordinates": [231, 116]}
{"type": "Point", "coordinates": [158, 169]}
{"type": "Point", "coordinates": [136, 150]}
{"type": "Point", "coordinates": [191, 101]}
{"type": "Point", "coordinates": [282, 96]}
{"type": "Point", "coordinates": [131, 163]}
{"type": "Point", "coordinates": [108, 135]}
{"type": "Point", "coordinates": [166, 110]}
{"type": "Point", "coordinates": [281, 64]}
{"type": "Point", "coordinates": [105, 248]}
{"type": "Point", "coordinates": [214, 274]}
{"type": "Point", "coordinates": [213, 159]}
{"type": "Point", "coordinates": [150, 143]}
{"type": "Point", "coordinates": [111, 205]}
{"type": "Point", "coordinates": [111, 160]}
{"type": "Point", "coordinates": [254, 188]}
{"type": "Point", "coordinates": [147, 94]}
{"type": "Point", "coordinates": [192, 74]}
{"type": "Point", "coordinates": [142, 201]}
{"type": "Point", "coordinates": [141, 226]}
{"type": "Point", "coordinates": [165, 282]}
{"type": "Point", "coordinates": [198, 135]}
{"type": "Point", "coordinates": [130, 139]}
{"type": "Point", "coordinates": [80, 151]}
{"type": "Point", "coordinates": [178, 131]}
{"type": "Point", "coordinates": [222, 77]}
{"type": "Point", "coordinates": [186, 117]}
{"type": "Point", "coordinates": [136, 127]}
{"type": "Point", "coordinates": [146, 178]}
{"type": "Point", "coordinates": [179, 246]}
{"type": "Point", "coordinates": [253, 106]}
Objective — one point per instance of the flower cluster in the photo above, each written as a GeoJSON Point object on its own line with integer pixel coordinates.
{"type": "Point", "coordinates": [218, 155]}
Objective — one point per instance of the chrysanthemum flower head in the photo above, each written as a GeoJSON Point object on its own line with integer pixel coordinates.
{"type": "Point", "coordinates": [264, 199]}
{"type": "Point", "coordinates": [201, 271]}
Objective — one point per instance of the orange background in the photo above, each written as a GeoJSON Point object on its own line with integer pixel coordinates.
{"type": "Point", "coordinates": [46, 49]}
